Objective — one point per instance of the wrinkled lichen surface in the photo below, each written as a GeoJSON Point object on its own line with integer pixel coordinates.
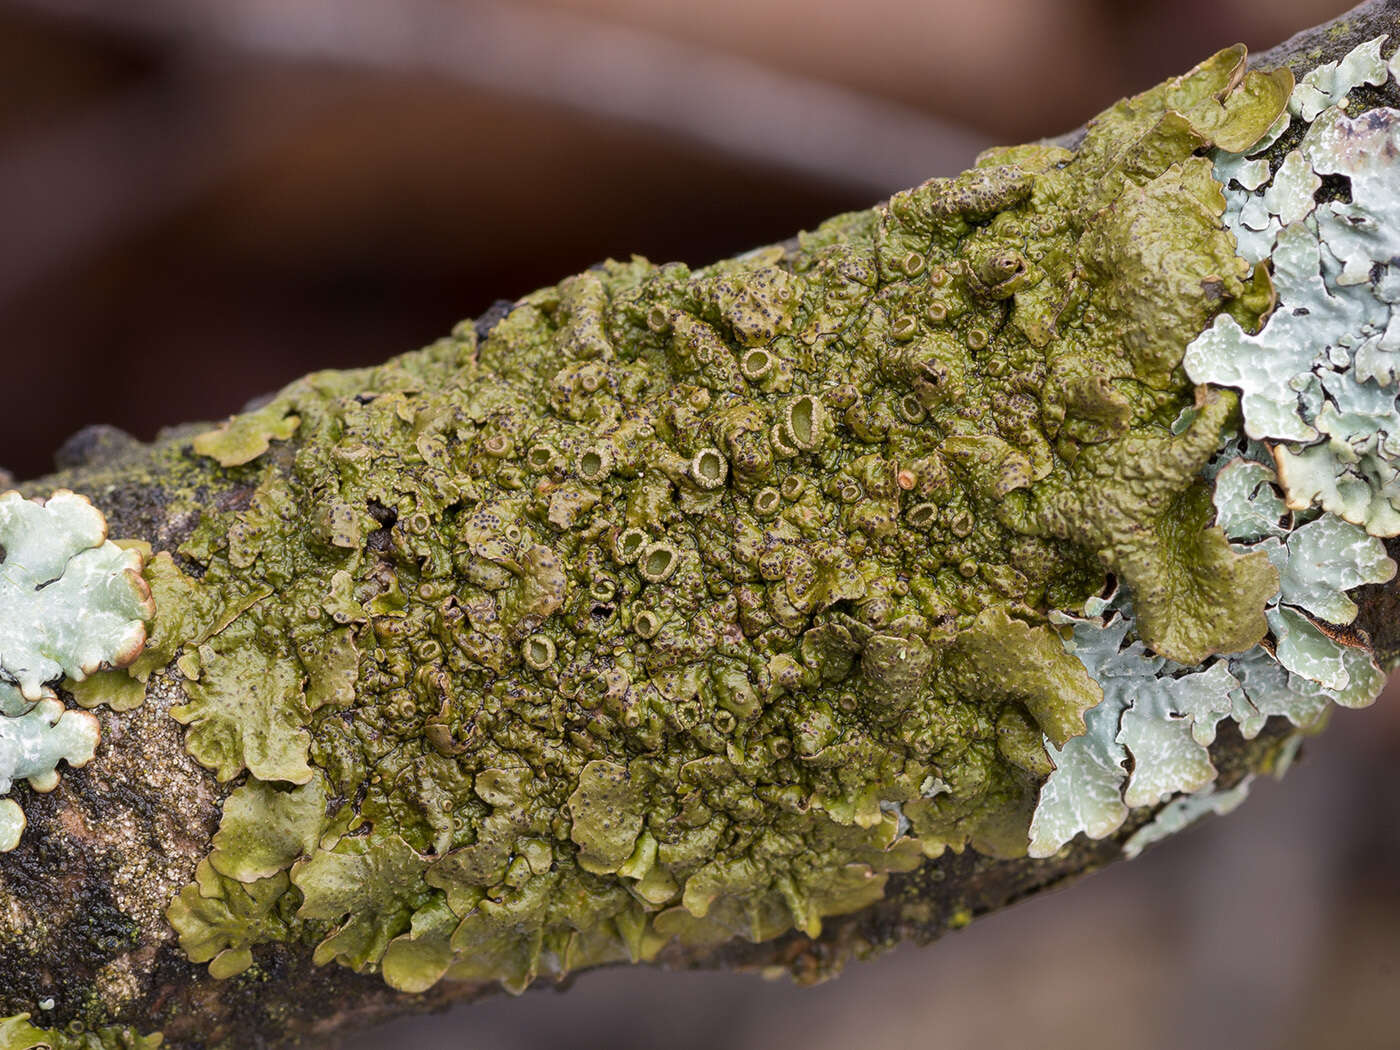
{"type": "Point", "coordinates": [1317, 360]}
{"type": "Point", "coordinates": [1164, 717]}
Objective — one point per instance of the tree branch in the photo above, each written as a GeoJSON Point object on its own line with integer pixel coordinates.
{"type": "Point", "coordinates": [751, 617]}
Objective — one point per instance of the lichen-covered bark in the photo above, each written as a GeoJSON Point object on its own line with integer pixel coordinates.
{"type": "Point", "coordinates": [701, 618]}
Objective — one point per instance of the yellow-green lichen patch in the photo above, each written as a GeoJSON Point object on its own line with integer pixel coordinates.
{"type": "Point", "coordinates": [16, 1033]}
{"type": "Point", "coordinates": [240, 896]}
{"type": "Point", "coordinates": [1164, 717]}
{"type": "Point", "coordinates": [606, 810]}
{"type": "Point", "coordinates": [672, 608]}
{"type": "Point", "coordinates": [266, 828]}
{"type": "Point", "coordinates": [219, 919]}
{"type": "Point", "coordinates": [1051, 684]}
{"type": "Point", "coordinates": [244, 438]}
{"type": "Point", "coordinates": [246, 710]}
{"type": "Point", "coordinates": [19, 1033]}
{"type": "Point", "coordinates": [1152, 520]}
{"type": "Point", "coordinates": [367, 885]}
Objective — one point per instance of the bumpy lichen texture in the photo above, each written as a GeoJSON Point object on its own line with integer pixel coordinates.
{"type": "Point", "coordinates": [21, 1033]}
{"type": "Point", "coordinates": [692, 604]}
{"type": "Point", "coordinates": [72, 603]}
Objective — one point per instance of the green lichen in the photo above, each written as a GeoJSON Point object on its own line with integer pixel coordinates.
{"type": "Point", "coordinates": [1184, 811]}
{"type": "Point", "coordinates": [1328, 84]}
{"type": "Point", "coordinates": [692, 604]}
{"type": "Point", "coordinates": [32, 745]}
{"type": "Point", "coordinates": [219, 919]}
{"type": "Point", "coordinates": [244, 438]}
{"type": "Point", "coordinates": [73, 602]}
{"type": "Point", "coordinates": [18, 1033]}
{"type": "Point", "coordinates": [247, 708]}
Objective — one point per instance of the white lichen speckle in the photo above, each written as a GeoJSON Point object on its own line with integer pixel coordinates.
{"type": "Point", "coordinates": [71, 603]}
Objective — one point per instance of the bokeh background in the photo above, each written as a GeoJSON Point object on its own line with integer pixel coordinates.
{"type": "Point", "coordinates": [202, 199]}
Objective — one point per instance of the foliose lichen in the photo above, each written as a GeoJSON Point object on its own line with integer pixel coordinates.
{"type": "Point", "coordinates": [72, 603]}
{"type": "Point", "coordinates": [1319, 380]}
{"type": "Point", "coordinates": [677, 606]}
{"type": "Point", "coordinates": [1319, 408]}
{"type": "Point", "coordinates": [1163, 716]}
{"type": "Point", "coordinates": [1184, 811]}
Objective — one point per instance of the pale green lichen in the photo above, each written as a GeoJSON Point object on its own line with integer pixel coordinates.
{"type": "Point", "coordinates": [1182, 812]}
{"type": "Point", "coordinates": [1146, 715]}
{"type": "Point", "coordinates": [679, 606]}
{"type": "Point", "coordinates": [72, 604]}
{"type": "Point", "coordinates": [1320, 379]}
{"type": "Point", "coordinates": [31, 746]}
{"type": "Point", "coordinates": [1328, 84]}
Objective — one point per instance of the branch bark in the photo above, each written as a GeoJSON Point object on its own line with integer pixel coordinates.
{"type": "Point", "coordinates": [83, 899]}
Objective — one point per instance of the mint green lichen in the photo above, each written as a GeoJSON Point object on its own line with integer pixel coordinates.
{"type": "Point", "coordinates": [1182, 812]}
{"type": "Point", "coordinates": [1326, 558]}
{"type": "Point", "coordinates": [678, 606]}
{"type": "Point", "coordinates": [1146, 715]}
{"type": "Point", "coordinates": [1319, 380]}
{"type": "Point", "coordinates": [71, 604]}
{"type": "Point", "coordinates": [1327, 85]}
{"type": "Point", "coordinates": [31, 746]}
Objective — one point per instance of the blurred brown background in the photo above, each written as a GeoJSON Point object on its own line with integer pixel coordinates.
{"type": "Point", "coordinates": [202, 199]}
